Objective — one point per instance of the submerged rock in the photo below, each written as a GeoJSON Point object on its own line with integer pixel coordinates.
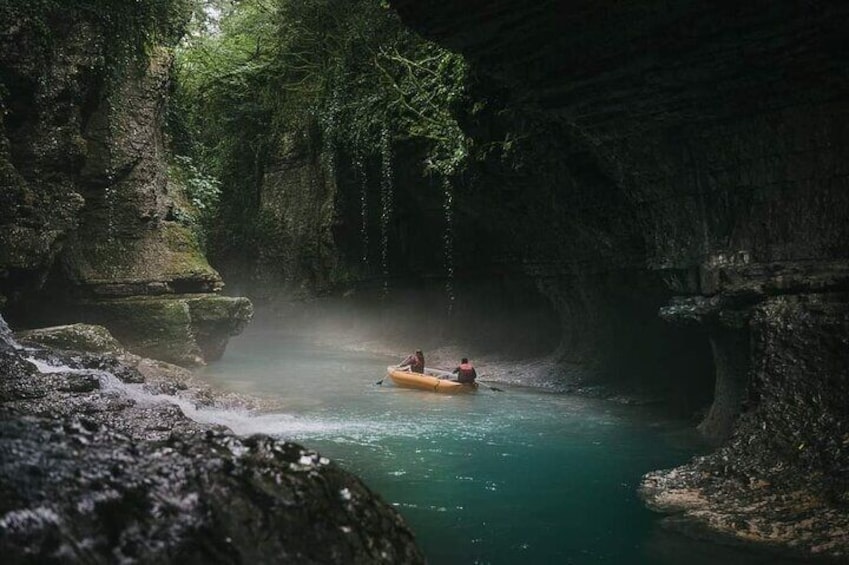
{"type": "Point", "coordinates": [96, 469]}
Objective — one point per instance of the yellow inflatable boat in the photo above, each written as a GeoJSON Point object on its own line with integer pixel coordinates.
{"type": "Point", "coordinates": [428, 381]}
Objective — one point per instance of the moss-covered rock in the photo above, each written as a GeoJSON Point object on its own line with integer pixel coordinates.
{"type": "Point", "coordinates": [161, 261]}
{"type": "Point", "coordinates": [215, 319]}
{"type": "Point", "coordinates": [86, 203]}
{"type": "Point", "coordinates": [42, 91]}
{"type": "Point", "coordinates": [75, 337]}
{"type": "Point", "coordinates": [184, 329]}
{"type": "Point", "coordinates": [149, 326]}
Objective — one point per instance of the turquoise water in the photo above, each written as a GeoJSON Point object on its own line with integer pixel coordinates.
{"type": "Point", "coordinates": [519, 476]}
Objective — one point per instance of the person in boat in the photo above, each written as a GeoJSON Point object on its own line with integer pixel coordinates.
{"type": "Point", "coordinates": [415, 361]}
{"type": "Point", "coordinates": [465, 372]}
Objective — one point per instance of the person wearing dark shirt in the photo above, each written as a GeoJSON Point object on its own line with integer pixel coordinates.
{"type": "Point", "coordinates": [416, 362]}
{"type": "Point", "coordinates": [465, 372]}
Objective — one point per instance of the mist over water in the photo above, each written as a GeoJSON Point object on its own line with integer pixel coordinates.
{"type": "Point", "coordinates": [520, 476]}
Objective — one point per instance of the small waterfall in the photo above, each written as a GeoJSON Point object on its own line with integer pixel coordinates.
{"type": "Point", "coordinates": [329, 123]}
{"type": "Point", "coordinates": [386, 203]}
{"type": "Point", "coordinates": [242, 421]}
{"type": "Point", "coordinates": [141, 396]}
{"type": "Point", "coordinates": [448, 240]}
{"type": "Point", "coordinates": [109, 197]}
{"type": "Point", "coordinates": [330, 162]}
{"type": "Point", "coordinates": [7, 338]}
{"type": "Point", "coordinates": [362, 176]}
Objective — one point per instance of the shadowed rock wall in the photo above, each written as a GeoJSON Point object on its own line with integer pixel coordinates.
{"type": "Point", "coordinates": [719, 131]}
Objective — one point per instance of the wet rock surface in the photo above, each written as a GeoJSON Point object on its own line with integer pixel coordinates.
{"type": "Point", "coordinates": [702, 502]}
{"type": "Point", "coordinates": [99, 464]}
{"type": "Point", "coordinates": [88, 205]}
{"type": "Point", "coordinates": [783, 477]}
{"type": "Point", "coordinates": [185, 329]}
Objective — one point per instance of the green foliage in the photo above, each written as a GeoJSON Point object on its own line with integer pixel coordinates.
{"type": "Point", "coordinates": [202, 193]}
{"type": "Point", "coordinates": [130, 27]}
{"type": "Point", "coordinates": [202, 190]}
{"type": "Point", "coordinates": [351, 65]}
{"type": "Point", "coordinates": [258, 79]}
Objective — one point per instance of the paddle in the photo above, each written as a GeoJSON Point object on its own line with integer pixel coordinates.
{"type": "Point", "coordinates": [495, 388]}
{"type": "Point", "coordinates": [380, 382]}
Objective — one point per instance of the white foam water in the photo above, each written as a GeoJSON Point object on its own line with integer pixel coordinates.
{"type": "Point", "coordinates": [241, 422]}
{"type": "Point", "coordinates": [6, 334]}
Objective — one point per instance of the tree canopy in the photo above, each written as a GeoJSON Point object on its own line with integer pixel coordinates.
{"type": "Point", "coordinates": [254, 74]}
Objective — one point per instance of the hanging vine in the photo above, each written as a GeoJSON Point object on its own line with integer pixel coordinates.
{"type": "Point", "coordinates": [255, 74]}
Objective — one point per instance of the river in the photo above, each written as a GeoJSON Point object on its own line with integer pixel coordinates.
{"type": "Point", "coordinates": [500, 477]}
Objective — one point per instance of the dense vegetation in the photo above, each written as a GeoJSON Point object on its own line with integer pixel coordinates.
{"type": "Point", "coordinates": [130, 28]}
{"type": "Point", "coordinates": [339, 77]}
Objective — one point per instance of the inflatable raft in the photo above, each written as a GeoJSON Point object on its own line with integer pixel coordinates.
{"type": "Point", "coordinates": [428, 381]}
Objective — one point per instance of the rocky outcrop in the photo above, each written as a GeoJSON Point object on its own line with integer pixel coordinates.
{"type": "Point", "coordinates": [783, 478]}
{"type": "Point", "coordinates": [702, 156]}
{"type": "Point", "coordinates": [99, 465]}
{"type": "Point", "coordinates": [88, 216]}
{"type": "Point", "coordinates": [186, 329]}
{"type": "Point", "coordinates": [39, 157]}
{"type": "Point", "coordinates": [296, 254]}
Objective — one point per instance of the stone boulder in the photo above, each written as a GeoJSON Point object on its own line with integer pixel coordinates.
{"type": "Point", "coordinates": [183, 329]}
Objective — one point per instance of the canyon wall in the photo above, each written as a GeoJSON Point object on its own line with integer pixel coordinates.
{"type": "Point", "coordinates": [704, 153]}
{"type": "Point", "coordinates": [90, 223]}
{"type": "Point", "coordinates": [672, 178]}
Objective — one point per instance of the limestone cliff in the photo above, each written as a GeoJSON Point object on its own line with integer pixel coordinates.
{"type": "Point", "coordinates": [88, 229]}
{"type": "Point", "coordinates": [295, 253]}
{"type": "Point", "coordinates": [702, 177]}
